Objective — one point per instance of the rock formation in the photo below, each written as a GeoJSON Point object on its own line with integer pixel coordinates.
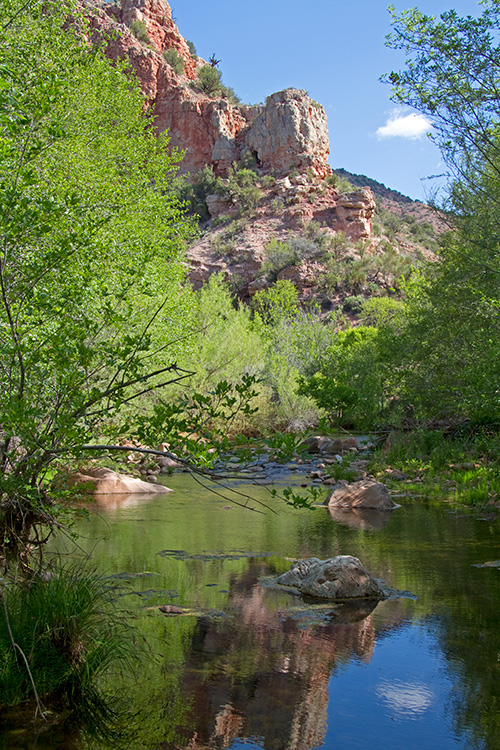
{"type": "Point", "coordinates": [341, 577]}
{"type": "Point", "coordinates": [290, 132]}
{"type": "Point", "coordinates": [287, 138]}
{"type": "Point", "coordinates": [367, 493]}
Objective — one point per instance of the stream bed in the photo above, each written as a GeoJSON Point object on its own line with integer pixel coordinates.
{"type": "Point", "coordinates": [246, 665]}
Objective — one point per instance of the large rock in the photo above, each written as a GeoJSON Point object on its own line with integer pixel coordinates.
{"type": "Point", "coordinates": [354, 213]}
{"type": "Point", "coordinates": [291, 131]}
{"type": "Point", "coordinates": [107, 482]}
{"type": "Point", "coordinates": [367, 493]}
{"type": "Point", "coordinates": [341, 577]}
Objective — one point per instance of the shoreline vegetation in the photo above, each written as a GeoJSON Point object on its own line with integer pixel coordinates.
{"type": "Point", "coordinates": [102, 340]}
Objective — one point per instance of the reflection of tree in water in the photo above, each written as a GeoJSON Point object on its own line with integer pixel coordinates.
{"type": "Point", "coordinates": [475, 670]}
{"type": "Point", "coordinates": [265, 674]}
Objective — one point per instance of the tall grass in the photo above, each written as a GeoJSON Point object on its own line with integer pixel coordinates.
{"type": "Point", "coordinates": [60, 639]}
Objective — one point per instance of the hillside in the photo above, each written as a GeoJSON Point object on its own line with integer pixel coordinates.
{"type": "Point", "coordinates": [269, 205]}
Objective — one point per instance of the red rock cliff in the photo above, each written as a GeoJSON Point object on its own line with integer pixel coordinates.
{"type": "Point", "coordinates": [290, 131]}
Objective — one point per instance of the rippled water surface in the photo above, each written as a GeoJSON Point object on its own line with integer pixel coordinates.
{"type": "Point", "coordinates": [248, 665]}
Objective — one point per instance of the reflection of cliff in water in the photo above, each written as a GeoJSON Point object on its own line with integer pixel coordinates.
{"type": "Point", "coordinates": [264, 674]}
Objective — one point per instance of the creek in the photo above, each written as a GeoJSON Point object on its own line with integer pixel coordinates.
{"type": "Point", "coordinates": [248, 665]}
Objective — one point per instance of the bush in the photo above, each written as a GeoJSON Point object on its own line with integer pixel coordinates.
{"type": "Point", "coordinates": [209, 80]}
{"type": "Point", "coordinates": [350, 383]}
{"type": "Point", "coordinates": [354, 304]}
{"type": "Point", "coordinates": [242, 188]}
{"type": "Point", "coordinates": [278, 302]}
{"type": "Point", "coordinates": [192, 49]}
{"type": "Point", "coordinates": [297, 248]}
{"type": "Point", "coordinates": [228, 93]}
{"type": "Point", "coordinates": [279, 255]}
{"type": "Point", "coordinates": [174, 60]}
{"type": "Point", "coordinates": [195, 193]}
{"type": "Point", "coordinates": [140, 32]}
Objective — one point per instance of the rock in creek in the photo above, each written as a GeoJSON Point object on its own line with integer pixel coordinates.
{"type": "Point", "coordinates": [341, 577]}
{"type": "Point", "coordinates": [367, 493]}
{"type": "Point", "coordinates": [104, 481]}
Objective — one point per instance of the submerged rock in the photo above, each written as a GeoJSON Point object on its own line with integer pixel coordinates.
{"type": "Point", "coordinates": [341, 577]}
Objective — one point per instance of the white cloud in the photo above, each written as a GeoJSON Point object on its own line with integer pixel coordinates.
{"type": "Point", "coordinates": [405, 126]}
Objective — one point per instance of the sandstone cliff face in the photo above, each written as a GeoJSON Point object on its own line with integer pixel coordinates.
{"type": "Point", "coordinates": [291, 132]}
{"type": "Point", "coordinates": [156, 15]}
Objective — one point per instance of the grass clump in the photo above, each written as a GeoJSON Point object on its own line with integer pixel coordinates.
{"type": "Point", "coordinates": [60, 639]}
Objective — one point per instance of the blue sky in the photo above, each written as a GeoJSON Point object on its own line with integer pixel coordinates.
{"type": "Point", "coordinates": [334, 49]}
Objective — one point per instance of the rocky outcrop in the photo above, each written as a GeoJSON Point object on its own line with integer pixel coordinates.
{"type": "Point", "coordinates": [367, 493]}
{"type": "Point", "coordinates": [341, 577]}
{"type": "Point", "coordinates": [156, 16]}
{"type": "Point", "coordinates": [107, 482]}
{"type": "Point", "coordinates": [290, 133]}
{"type": "Point", "coordinates": [354, 212]}
{"type": "Point", "coordinates": [288, 137]}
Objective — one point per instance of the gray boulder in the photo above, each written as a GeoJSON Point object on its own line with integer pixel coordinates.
{"type": "Point", "coordinates": [367, 493]}
{"type": "Point", "coordinates": [341, 577]}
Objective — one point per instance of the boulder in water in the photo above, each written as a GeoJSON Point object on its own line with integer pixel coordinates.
{"type": "Point", "coordinates": [367, 493]}
{"type": "Point", "coordinates": [341, 577]}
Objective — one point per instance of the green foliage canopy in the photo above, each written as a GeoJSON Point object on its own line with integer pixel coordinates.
{"type": "Point", "coordinates": [91, 241]}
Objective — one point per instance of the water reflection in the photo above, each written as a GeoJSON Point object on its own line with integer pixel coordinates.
{"type": "Point", "coordinates": [264, 673]}
{"type": "Point", "coordinates": [405, 698]}
{"type": "Point", "coordinates": [363, 519]}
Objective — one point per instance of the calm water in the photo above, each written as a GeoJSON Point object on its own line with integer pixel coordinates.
{"type": "Point", "coordinates": [252, 667]}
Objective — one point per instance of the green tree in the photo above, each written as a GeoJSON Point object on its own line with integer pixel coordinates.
{"type": "Point", "coordinates": [447, 351]}
{"type": "Point", "coordinates": [350, 384]}
{"type": "Point", "coordinates": [451, 76]}
{"type": "Point", "coordinates": [91, 242]}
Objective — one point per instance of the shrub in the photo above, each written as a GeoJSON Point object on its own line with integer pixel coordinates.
{"type": "Point", "coordinates": [279, 255]}
{"type": "Point", "coordinates": [192, 49]}
{"type": "Point", "coordinates": [242, 187]}
{"type": "Point", "coordinates": [278, 302]}
{"type": "Point", "coordinates": [174, 60]}
{"type": "Point", "coordinates": [354, 304]}
{"type": "Point", "coordinates": [297, 248]}
{"type": "Point", "coordinates": [268, 181]}
{"type": "Point", "coordinates": [195, 193]}
{"type": "Point", "coordinates": [228, 93]}
{"type": "Point", "coordinates": [209, 80]}
{"type": "Point", "coordinates": [338, 243]}
{"type": "Point", "coordinates": [140, 32]}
